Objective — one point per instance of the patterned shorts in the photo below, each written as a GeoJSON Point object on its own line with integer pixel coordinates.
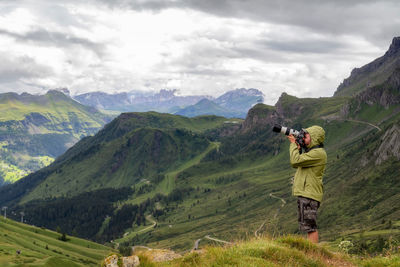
{"type": "Point", "coordinates": [307, 211]}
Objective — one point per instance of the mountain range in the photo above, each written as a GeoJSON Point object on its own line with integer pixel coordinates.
{"type": "Point", "coordinates": [234, 103]}
{"type": "Point", "coordinates": [230, 178]}
{"type": "Point", "coordinates": [38, 128]}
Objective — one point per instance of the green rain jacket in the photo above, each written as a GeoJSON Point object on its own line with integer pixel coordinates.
{"type": "Point", "coordinates": [310, 166]}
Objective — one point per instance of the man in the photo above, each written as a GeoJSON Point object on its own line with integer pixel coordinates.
{"type": "Point", "coordinates": [307, 185]}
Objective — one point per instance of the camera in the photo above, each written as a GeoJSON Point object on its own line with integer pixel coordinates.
{"type": "Point", "coordinates": [300, 135]}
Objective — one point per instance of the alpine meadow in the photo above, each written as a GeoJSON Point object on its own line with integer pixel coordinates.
{"type": "Point", "coordinates": [167, 181]}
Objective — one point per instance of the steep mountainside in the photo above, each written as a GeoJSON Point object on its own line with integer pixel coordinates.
{"type": "Point", "coordinates": [133, 147]}
{"type": "Point", "coordinates": [373, 73]}
{"type": "Point", "coordinates": [34, 129]}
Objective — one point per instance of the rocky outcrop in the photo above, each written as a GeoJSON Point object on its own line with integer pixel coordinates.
{"type": "Point", "coordinates": [131, 261]}
{"type": "Point", "coordinates": [390, 145]}
{"type": "Point", "coordinates": [112, 261]}
{"type": "Point", "coordinates": [260, 116]}
{"type": "Point", "coordinates": [386, 94]}
{"type": "Point", "coordinates": [289, 107]}
{"type": "Point", "coordinates": [394, 47]}
{"type": "Point", "coordinates": [160, 255]}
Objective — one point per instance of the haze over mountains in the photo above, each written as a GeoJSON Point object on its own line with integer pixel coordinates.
{"type": "Point", "coordinates": [233, 103]}
{"type": "Point", "coordinates": [208, 174]}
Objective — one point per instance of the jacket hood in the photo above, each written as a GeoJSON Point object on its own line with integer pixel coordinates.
{"type": "Point", "coordinates": [317, 134]}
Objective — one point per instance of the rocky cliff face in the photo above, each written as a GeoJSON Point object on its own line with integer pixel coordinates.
{"type": "Point", "coordinates": [386, 95]}
{"type": "Point", "coordinates": [373, 73]}
{"type": "Point", "coordinates": [390, 145]}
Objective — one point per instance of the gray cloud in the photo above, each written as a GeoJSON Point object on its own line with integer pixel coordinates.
{"type": "Point", "coordinates": [370, 19]}
{"type": "Point", "coordinates": [57, 39]}
{"type": "Point", "coordinates": [305, 46]}
{"type": "Point", "coordinates": [15, 69]}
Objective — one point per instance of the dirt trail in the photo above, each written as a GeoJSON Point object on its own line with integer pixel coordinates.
{"type": "Point", "coordinates": [364, 122]}
{"type": "Point", "coordinates": [148, 217]}
{"type": "Point", "coordinates": [196, 243]}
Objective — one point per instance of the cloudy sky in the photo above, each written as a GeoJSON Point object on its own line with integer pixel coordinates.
{"type": "Point", "coordinates": [303, 47]}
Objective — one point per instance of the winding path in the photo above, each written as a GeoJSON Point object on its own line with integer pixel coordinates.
{"type": "Point", "coordinates": [196, 243]}
{"type": "Point", "coordinates": [364, 122]}
{"type": "Point", "coordinates": [148, 217]}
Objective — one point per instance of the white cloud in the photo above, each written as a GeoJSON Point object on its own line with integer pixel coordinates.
{"type": "Point", "coordinates": [205, 48]}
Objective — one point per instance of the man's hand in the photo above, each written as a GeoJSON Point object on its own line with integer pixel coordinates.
{"type": "Point", "coordinates": [292, 139]}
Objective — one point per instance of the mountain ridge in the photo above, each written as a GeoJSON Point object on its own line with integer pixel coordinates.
{"type": "Point", "coordinates": [372, 73]}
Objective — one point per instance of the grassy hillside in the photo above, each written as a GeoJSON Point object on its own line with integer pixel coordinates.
{"type": "Point", "coordinates": [41, 247]}
{"type": "Point", "coordinates": [283, 251]}
{"type": "Point", "coordinates": [34, 129]}
{"type": "Point", "coordinates": [193, 177]}
{"type": "Point", "coordinates": [134, 147]}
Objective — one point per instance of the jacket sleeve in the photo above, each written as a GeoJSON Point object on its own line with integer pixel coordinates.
{"type": "Point", "coordinates": [310, 159]}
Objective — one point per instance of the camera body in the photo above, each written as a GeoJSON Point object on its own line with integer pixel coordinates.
{"type": "Point", "coordinates": [300, 135]}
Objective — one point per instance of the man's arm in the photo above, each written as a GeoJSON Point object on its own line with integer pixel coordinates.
{"type": "Point", "coordinates": [312, 158]}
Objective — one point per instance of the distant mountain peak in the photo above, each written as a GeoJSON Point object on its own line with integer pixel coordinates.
{"type": "Point", "coordinates": [394, 47]}
{"type": "Point", "coordinates": [242, 92]}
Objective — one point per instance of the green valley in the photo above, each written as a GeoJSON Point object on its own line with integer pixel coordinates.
{"type": "Point", "coordinates": [35, 129]}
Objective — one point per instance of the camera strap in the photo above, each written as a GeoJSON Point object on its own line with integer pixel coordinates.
{"type": "Point", "coordinates": [314, 147]}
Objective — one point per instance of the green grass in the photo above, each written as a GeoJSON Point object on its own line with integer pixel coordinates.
{"type": "Point", "coordinates": [54, 106]}
{"type": "Point", "coordinates": [286, 251]}
{"type": "Point", "coordinates": [375, 113]}
{"type": "Point", "coordinates": [168, 183]}
{"type": "Point", "coordinates": [26, 164]}
{"type": "Point", "coordinates": [41, 247]}
{"type": "Point", "coordinates": [250, 204]}
{"type": "Point", "coordinates": [265, 251]}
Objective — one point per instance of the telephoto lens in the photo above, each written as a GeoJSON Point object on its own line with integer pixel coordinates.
{"type": "Point", "coordinates": [285, 130]}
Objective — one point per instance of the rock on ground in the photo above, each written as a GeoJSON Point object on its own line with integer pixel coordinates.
{"type": "Point", "coordinates": [131, 261]}
{"type": "Point", "coordinates": [111, 261]}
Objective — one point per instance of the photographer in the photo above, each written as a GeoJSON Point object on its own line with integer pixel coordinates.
{"type": "Point", "coordinates": [307, 185]}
